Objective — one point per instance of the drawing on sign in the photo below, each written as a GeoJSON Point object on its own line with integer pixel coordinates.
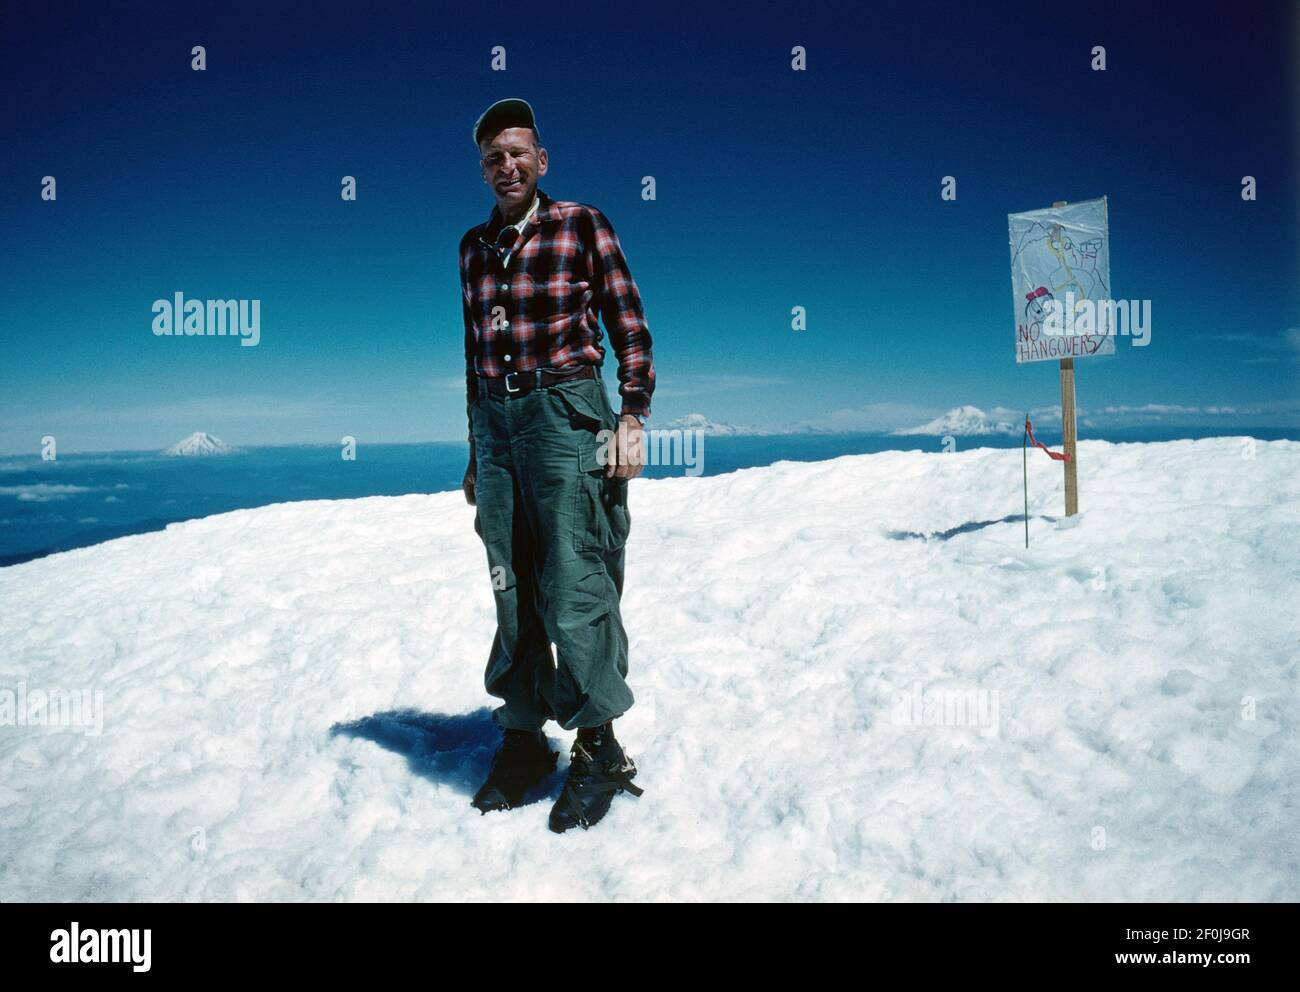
{"type": "Point", "coordinates": [1060, 263]}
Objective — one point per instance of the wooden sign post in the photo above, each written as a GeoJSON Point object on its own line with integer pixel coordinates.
{"type": "Point", "coordinates": [1069, 437]}
{"type": "Point", "coordinates": [1060, 275]}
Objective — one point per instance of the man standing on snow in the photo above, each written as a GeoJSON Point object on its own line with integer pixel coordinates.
{"type": "Point", "coordinates": [548, 468]}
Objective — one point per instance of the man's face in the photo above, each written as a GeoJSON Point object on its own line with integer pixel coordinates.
{"type": "Point", "coordinates": [511, 166]}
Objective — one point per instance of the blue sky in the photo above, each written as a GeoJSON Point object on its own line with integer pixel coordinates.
{"type": "Point", "coordinates": [775, 189]}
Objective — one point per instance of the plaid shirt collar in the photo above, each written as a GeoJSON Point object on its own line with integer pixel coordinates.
{"type": "Point", "coordinates": [547, 213]}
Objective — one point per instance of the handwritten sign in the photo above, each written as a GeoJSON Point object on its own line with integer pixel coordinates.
{"type": "Point", "coordinates": [1060, 282]}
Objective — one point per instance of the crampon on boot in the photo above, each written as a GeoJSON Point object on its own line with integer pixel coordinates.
{"type": "Point", "coordinates": [524, 759]}
{"type": "Point", "coordinates": [599, 769]}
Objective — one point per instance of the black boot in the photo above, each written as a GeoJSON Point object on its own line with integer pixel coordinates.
{"type": "Point", "coordinates": [598, 770]}
{"type": "Point", "coordinates": [524, 759]}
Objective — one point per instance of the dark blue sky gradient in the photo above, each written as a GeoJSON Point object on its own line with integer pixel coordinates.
{"type": "Point", "coordinates": [775, 189]}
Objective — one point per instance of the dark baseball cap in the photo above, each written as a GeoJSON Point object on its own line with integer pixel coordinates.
{"type": "Point", "coordinates": [501, 115]}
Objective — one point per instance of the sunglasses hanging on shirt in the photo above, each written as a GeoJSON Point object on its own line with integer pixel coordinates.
{"type": "Point", "coordinates": [504, 243]}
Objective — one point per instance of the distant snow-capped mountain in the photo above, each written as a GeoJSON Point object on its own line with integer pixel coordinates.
{"type": "Point", "coordinates": [965, 421]}
{"type": "Point", "coordinates": [712, 428]}
{"type": "Point", "coordinates": [199, 443]}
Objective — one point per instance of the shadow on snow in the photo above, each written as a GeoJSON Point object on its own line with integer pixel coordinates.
{"type": "Point", "coordinates": [966, 528]}
{"type": "Point", "coordinates": [454, 750]}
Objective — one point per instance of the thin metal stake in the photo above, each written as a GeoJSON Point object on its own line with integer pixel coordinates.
{"type": "Point", "coordinates": [1024, 458]}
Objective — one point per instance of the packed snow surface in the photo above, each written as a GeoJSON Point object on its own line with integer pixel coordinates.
{"type": "Point", "coordinates": [292, 700]}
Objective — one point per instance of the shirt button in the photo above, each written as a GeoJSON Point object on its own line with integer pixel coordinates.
{"type": "Point", "coordinates": [505, 287]}
{"type": "Point", "coordinates": [505, 323]}
{"type": "Point", "coordinates": [507, 358]}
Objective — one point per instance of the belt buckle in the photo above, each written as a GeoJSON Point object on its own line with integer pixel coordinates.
{"type": "Point", "coordinates": [508, 389]}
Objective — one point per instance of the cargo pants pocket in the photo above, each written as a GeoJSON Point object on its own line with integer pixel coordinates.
{"type": "Point", "coordinates": [600, 515]}
{"type": "Point", "coordinates": [601, 521]}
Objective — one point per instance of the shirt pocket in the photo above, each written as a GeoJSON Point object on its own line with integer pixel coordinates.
{"type": "Point", "coordinates": [557, 300]}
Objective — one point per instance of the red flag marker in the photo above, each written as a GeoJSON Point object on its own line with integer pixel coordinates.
{"type": "Point", "coordinates": [1059, 456]}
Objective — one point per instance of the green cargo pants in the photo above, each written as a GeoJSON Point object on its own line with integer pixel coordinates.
{"type": "Point", "coordinates": [554, 529]}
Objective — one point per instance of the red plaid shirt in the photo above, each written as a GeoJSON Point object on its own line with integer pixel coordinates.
{"type": "Point", "coordinates": [566, 270]}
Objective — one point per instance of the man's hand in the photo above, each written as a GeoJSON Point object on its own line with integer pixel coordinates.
{"type": "Point", "coordinates": [467, 484]}
{"type": "Point", "coordinates": [626, 450]}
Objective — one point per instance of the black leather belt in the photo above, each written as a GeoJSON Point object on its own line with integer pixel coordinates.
{"type": "Point", "coordinates": [520, 383]}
